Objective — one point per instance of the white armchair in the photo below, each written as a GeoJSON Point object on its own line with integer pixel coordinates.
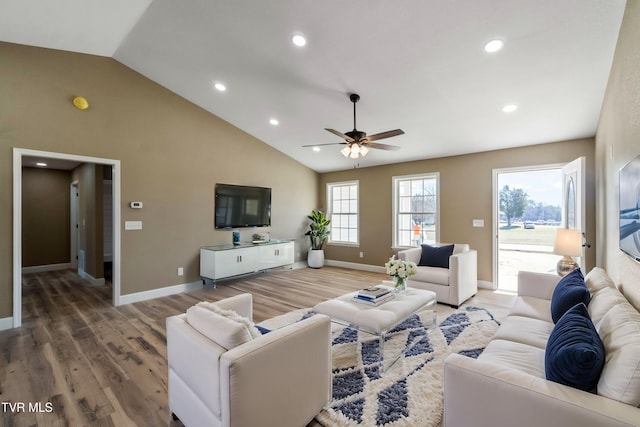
{"type": "Point", "coordinates": [453, 285]}
{"type": "Point", "coordinates": [281, 378]}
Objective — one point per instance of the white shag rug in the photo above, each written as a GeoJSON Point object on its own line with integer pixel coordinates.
{"type": "Point", "coordinates": [410, 393]}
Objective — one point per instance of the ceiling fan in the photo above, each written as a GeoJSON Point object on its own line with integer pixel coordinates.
{"type": "Point", "coordinates": [357, 142]}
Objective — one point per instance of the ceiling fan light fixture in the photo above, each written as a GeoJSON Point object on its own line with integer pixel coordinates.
{"type": "Point", "coordinates": [358, 143]}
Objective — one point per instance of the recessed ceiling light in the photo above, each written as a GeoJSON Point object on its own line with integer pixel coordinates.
{"type": "Point", "coordinates": [509, 108]}
{"type": "Point", "coordinates": [220, 86]}
{"type": "Point", "coordinates": [316, 148]}
{"type": "Point", "coordinates": [299, 40]}
{"type": "Point", "coordinates": [493, 46]}
{"type": "Point", "coordinates": [274, 122]}
{"type": "Point", "coordinates": [41, 164]}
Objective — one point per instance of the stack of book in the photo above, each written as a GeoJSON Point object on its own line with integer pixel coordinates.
{"type": "Point", "coordinates": [375, 295]}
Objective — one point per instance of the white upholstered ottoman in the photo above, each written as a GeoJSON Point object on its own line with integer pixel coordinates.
{"type": "Point", "coordinates": [378, 320]}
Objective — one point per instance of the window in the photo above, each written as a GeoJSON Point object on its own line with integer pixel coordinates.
{"type": "Point", "coordinates": [343, 212]}
{"type": "Point", "coordinates": [415, 210]}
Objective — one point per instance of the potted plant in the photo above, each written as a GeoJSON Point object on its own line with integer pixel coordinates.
{"type": "Point", "coordinates": [318, 233]}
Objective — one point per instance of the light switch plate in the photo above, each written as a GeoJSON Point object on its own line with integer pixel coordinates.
{"type": "Point", "coordinates": [478, 222]}
{"type": "Point", "coordinates": [133, 225]}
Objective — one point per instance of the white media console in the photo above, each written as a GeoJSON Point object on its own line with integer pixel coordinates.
{"type": "Point", "coordinates": [223, 261]}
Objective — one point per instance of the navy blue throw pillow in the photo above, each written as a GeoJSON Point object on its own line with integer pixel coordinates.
{"type": "Point", "coordinates": [574, 355]}
{"type": "Point", "coordinates": [262, 329]}
{"type": "Point", "coordinates": [569, 291]}
{"type": "Point", "coordinates": [436, 256]}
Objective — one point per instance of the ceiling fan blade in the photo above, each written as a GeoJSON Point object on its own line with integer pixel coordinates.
{"type": "Point", "coordinates": [321, 145]}
{"type": "Point", "coordinates": [387, 134]}
{"type": "Point", "coordinates": [340, 134]}
{"type": "Point", "coordinates": [382, 146]}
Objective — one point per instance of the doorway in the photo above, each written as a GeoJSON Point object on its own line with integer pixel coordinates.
{"type": "Point", "coordinates": [18, 155]}
{"type": "Point", "coordinates": [531, 203]}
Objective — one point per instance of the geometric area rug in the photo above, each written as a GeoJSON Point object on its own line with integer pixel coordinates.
{"type": "Point", "coordinates": [410, 393]}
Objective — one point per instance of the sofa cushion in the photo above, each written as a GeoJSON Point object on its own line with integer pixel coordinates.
{"type": "Point", "coordinates": [569, 291]}
{"type": "Point", "coordinates": [574, 355]}
{"type": "Point", "coordinates": [620, 333]}
{"type": "Point", "coordinates": [602, 301]}
{"type": "Point", "coordinates": [224, 327]}
{"type": "Point", "coordinates": [514, 355]}
{"type": "Point", "coordinates": [436, 256]}
{"type": "Point", "coordinates": [535, 308]}
{"type": "Point", "coordinates": [598, 279]}
{"type": "Point", "coordinates": [436, 275]}
{"type": "Point", "coordinates": [525, 330]}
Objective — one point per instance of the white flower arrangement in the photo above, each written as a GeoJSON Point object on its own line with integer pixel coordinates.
{"type": "Point", "coordinates": [400, 268]}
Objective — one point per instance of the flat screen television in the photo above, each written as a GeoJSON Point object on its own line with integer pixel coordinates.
{"type": "Point", "coordinates": [239, 206]}
{"type": "Point", "coordinates": [630, 209]}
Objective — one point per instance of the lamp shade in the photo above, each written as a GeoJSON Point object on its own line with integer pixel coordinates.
{"type": "Point", "coordinates": [568, 242]}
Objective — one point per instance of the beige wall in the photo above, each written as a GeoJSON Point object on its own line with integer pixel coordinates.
{"type": "Point", "coordinates": [171, 152]}
{"type": "Point", "coordinates": [617, 143]}
{"type": "Point", "coordinates": [45, 216]}
{"type": "Point", "coordinates": [465, 194]}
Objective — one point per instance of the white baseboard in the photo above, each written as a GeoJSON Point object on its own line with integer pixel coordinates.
{"type": "Point", "coordinates": [86, 276]}
{"type": "Point", "coordinates": [483, 284]}
{"type": "Point", "coordinates": [6, 323]}
{"type": "Point", "coordinates": [356, 266]}
{"type": "Point", "coordinates": [299, 264]}
{"type": "Point", "coordinates": [47, 267]}
{"type": "Point", "coordinates": [160, 292]}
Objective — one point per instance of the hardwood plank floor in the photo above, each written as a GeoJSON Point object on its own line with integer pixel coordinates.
{"type": "Point", "coordinates": [87, 363]}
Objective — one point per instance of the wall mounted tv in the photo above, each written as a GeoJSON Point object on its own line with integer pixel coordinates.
{"type": "Point", "coordinates": [242, 206]}
{"type": "Point", "coordinates": [630, 209]}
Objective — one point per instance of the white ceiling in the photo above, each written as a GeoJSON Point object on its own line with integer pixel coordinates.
{"type": "Point", "coordinates": [418, 65]}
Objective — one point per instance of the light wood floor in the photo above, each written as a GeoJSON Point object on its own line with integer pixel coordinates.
{"type": "Point", "coordinates": [87, 363]}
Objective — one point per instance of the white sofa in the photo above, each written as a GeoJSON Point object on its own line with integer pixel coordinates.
{"type": "Point", "coordinates": [281, 378]}
{"type": "Point", "coordinates": [453, 285]}
{"type": "Point", "coordinates": [506, 385]}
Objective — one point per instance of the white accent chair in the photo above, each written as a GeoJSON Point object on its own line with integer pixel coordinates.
{"type": "Point", "coordinates": [453, 285]}
{"type": "Point", "coordinates": [281, 378]}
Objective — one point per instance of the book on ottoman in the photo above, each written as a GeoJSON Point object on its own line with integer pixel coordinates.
{"type": "Point", "coordinates": [374, 295]}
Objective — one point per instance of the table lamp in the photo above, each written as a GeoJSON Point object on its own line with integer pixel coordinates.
{"type": "Point", "coordinates": [568, 244]}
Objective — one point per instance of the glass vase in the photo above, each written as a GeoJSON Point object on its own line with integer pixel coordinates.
{"type": "Point", "coordinates": [401, 284]}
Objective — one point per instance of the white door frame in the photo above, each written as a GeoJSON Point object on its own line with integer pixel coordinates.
{"type": "Point", "coordinates": [18, 154]}
{"type": "Point", "coordinates": [575, 171]}
{"type": "Point", "coordinates": [73, 188]}
{"type": "Point", "coordinates": [496, 207]}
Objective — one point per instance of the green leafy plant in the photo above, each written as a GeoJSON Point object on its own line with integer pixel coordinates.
{"type": "Point", "coordinates": [318, 229]}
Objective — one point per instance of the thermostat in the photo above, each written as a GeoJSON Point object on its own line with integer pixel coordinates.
{"type": "Point", "coordinates": [136, 205]}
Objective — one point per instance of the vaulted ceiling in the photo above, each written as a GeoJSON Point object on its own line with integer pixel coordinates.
{"type": "Point", "coordinates": [418, 65]}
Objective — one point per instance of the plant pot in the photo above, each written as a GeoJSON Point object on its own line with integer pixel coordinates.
{"type": "Point", "coordinates": [315, 258]}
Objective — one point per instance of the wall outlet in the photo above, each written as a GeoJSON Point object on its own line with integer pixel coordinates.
{"type": "Point", "coordinates": [361, 254]}
{"type": "Point", "coordinates": [180, 271]}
